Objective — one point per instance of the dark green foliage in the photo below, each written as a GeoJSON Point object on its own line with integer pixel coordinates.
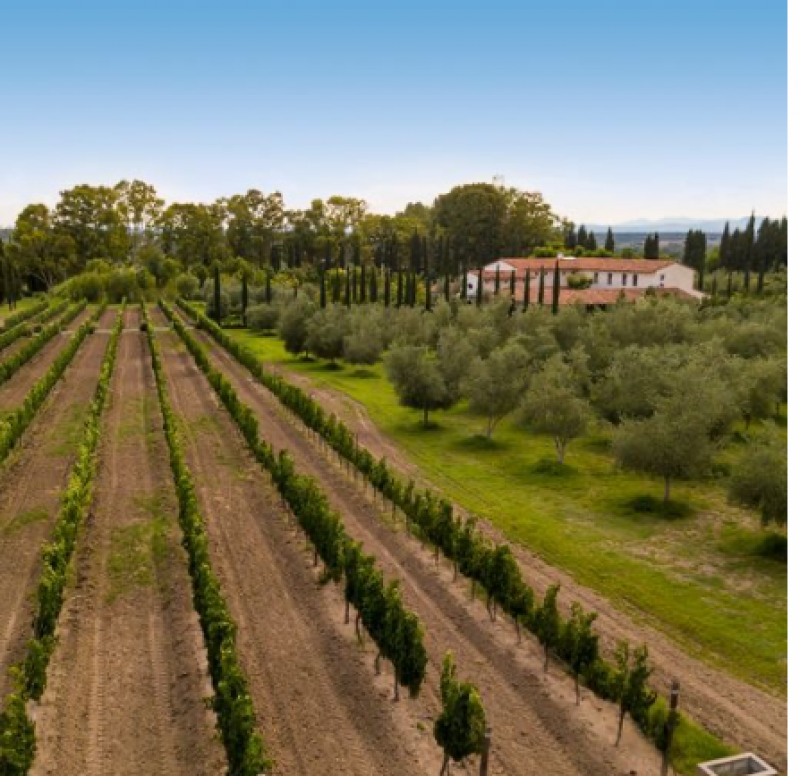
{"type": "Point", "coordinates": [236, 718]}
{"type": "Point", "coordinates": [14, 425]}
{"type": "Point", "coordinates": [396, 631]}
{"type": "Point", "coordinates": [217, 295]}
{"type": "Point", "coordinates": [14, 363]}
{"type": "Point", "coordinates": [461, 727]}
{"type": "Point", "coordinates": [556, 288]}
{"type": "Point", "coordinates": [471, 552]}
{"type": "Point", "coordinates": [579, 645]}
{"type": "Point", "coordinates": [17, 743]}
{"type": "Point", "coordinates": [630, 687]}
{"type": "Point", "coordinates": [609, 244]}
{"type": "Point", "coordinates": [526, 299]}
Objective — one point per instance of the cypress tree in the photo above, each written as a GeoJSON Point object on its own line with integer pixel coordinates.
{"type": "Point", "coordinates": [400, 288]}
{"type": "Point", "coordinates": [428, 297]}
{"type": "Point", "coordinates": [556, 288]}
{"type": "Point", "coordinates": [591, 242]}
{"type": "Point", "coordinates": [497, 281]}
{"type": "Point", "coordinates": [373, 285]}
{"type": "Point", "coordinates": [387, 287]}
{"type": "Point", "coordinates": [217, 295]}
{"type": "Point", "coordinates": [323, 297]}
{"type": "Point", "coordinates": [479, 299]}
{"type": "Point", "coordinates": [347, 288]}
{"type": "Point", "coordinates": [583, 237]}
{"type": "Point", "coordinates": [750, 234]}
{"type": "Point", "coordinates": [609, 246]}
{"type": "Point", "coordinates": [730, 284]}
{"type": "Point", "coordinates": [268, 288]}
{"type": "Point", "coordinates": [328, 254]}
{"type": "Point", "coordinates": [464, 286]}
{"type": "Point", "coordinates": [513, 285]}
{"type": "Point", "coordinates": [363, 286]}
{"type": "Point", "coordinates": [244, 299]}
{"type": "Point", "coordinates": [336, 287]}
{"type": "Point", "coordinates": [342, 255]}
{"type": "Point", "coordinates": [411, 288]}
{"type": "Point", "coordinates": [527, 292]}
{"type": "Point", "coordinates": [725, 247]}
{"type": "Point", "coordinates": [447, 286]}
{"type": "Point", "coordinates": [541, 286]}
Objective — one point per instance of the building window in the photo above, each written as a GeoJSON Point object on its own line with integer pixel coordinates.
{"type": "Point", "coordinates": [624, 278]}
{"type": "Point", "coordinates": [596, 277]}
{"type": "Point", "coordinates": [635, 280]}
{"type": "Point", "coordinates": [610, 279]}
{"type": "Point", "coordinates": [662, 280]}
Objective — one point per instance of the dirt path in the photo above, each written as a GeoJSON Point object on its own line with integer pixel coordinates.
{"type": "Point", "coordinates": [31, 483]}
{"type": "Point", "coordinates": [320, 710]}
{"type": "Point", "coordinates": [14, 391]}
{"type": "Point", "coordinates": [128, 677]}
{"type": "Point", "coordinates": [531, 714]}
{"type": "Point", "coordinates": [752, 718]}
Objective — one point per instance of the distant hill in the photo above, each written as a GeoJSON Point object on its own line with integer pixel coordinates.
{"type": "Point", "coordinates": [675, 224]}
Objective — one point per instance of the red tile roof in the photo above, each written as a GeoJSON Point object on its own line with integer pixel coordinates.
{"type": "Point", "coordinates": [599, 296]}
{"type": "Point", "coordinates": [592, 264]}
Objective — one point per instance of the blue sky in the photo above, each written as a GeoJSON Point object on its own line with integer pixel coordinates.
{"type": "Point", "coordinates": [614, 110]}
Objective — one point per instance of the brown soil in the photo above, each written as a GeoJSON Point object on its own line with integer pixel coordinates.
{"type": "Point", "coordinates": [749, 717]}
{"type": "Point", "coordinates": [320, 709]}
{"type": "Point", "coordinates": [532, 715]}
{"type": "Point", "coordinates": [128, 677]}
{"type": "Point", "coordinates": [14, 391]}
{"type": "Point", "coordinates": [31, 483]}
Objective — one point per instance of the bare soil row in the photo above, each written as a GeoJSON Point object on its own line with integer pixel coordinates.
{"type": "Point", "coordinates": [128, 677]}
{"type": "Point", "coordinates": [31, 483]}
{"type": "Point", "coordinates": [532, 715]}
{"type": "Point", "coordinates": [750, 717]}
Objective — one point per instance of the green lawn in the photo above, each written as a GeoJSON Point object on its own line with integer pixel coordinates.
{"type": "Point", "coordinates": [22, 304]}
{"type": "Point", "coordinates": [698, 577]}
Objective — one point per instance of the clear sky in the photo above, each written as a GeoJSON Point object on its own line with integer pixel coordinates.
{"type": "Point", "coordinates": [614, 110]}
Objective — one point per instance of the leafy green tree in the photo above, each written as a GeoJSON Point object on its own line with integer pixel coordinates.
{"type": "Point", "coordinates": [417, 380]}
{"type": "Point", "coordinates": [364, 343]}
{"type": "Point", "coordinates": [294, 325]}
{"type": "Point", "coordinates": [457, 354]}
{"type": "Point", "coordinates": [761, 385]}
{"type": "Point", "coordinates": [674, 442]}
{"type": "Point", "coordinates": [327, 330]}
{"type": "Point", "coordinates": [553, 405]}
{"type": "Point", "coordinates": [760, 478]}
{"type": "Point", "coordinates": [631, 689]}
{"type": "Point", "coordinates": [495, 385]}
{"type": "Point", "coordinates": [461, 727]}
{"type": "Point", "coordinates": [579, 644]}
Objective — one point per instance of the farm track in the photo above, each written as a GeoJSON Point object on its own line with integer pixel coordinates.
{"type": "Point", "coordinates": [320, 711]}
{"type": "Point", "coordinates": [31, 484]}
{"type": "Point", "coordinates": [750, 717]}
{"type": "Point", "coordinates": [532, 715]}
{"type": "Point", "coordinates": [128, 676]}
{"type": "Point", "coordinates": [14, 391]}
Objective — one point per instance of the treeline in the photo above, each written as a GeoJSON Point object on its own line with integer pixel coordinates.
{"type": "Point", "coordinates": [129, 224]}
{"type": "Point", "coordinates": [487, 564]}
{"type": "Point", "coordinates": [17, 729]}
{"type": "Point", "coordinates": [395, 630]}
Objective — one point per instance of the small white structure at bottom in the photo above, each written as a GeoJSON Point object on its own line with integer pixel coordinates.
{"type": "Point", "coordinates": [747, 764]}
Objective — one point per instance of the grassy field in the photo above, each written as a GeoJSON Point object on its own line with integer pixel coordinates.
{"type": "Point", "coordinates": [23, 304]}
{"type": "Point", "coordinates": [698, 574]}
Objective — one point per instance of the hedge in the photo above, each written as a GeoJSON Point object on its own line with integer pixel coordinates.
{"type": "Point", "coordinates": [24, 315]}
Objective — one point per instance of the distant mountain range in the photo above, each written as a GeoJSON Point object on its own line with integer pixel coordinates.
{"type": "Point", "coordinates": [676, 224]}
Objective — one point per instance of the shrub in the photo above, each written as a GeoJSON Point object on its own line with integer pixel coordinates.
{"type": "Point", "coordinates": [263, 317]}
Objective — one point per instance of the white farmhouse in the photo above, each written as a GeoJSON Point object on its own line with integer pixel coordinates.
{"type": "Point", "coordinates": [605, 278]}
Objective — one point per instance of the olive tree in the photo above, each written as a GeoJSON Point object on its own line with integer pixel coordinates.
{"type": "Point", "coordinates": [293, 326]}
{"type": "Point", "coordinates": [760, 478]}
{"type": "Point", "coordinates": [495, 385]}
{"type": "Point", "coordinates": [553, 405]}
{"type": "Point", "coordinates": [326, 332]}
{"type": "Point", "coordinates": [417, 380]}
